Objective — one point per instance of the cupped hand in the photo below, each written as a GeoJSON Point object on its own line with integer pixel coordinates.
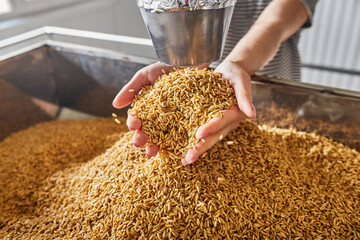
{"type": "Point", "coordinates": [219, 127]}
{"type": "Point", "coordinates": [145, 76]}
{"type": "Point", "coordinates": [212, 130]}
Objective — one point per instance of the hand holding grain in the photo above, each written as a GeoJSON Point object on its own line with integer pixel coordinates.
{"type": "Point", "coordinates": [143, 77]}
{"type": "Point", "coordinates": [216, 129]}
{"type": "Point", "coordinates": [208, 134]}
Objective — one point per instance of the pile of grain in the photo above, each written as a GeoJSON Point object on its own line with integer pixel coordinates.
{"type": "Point", "coordinates": [29, 157]}
{"type": "Point", "coordinates": [271, 183]}
{"type": "Point", "coordinates": [283, 115]}
{"type": "Point", "coordinates": [180, 102]}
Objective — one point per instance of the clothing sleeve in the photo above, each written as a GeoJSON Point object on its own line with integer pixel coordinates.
{"type": "Point", "coordinates": [310, 8]}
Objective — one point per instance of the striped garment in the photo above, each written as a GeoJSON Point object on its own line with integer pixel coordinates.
{"type": "Point", "coordinates": [286, 64]}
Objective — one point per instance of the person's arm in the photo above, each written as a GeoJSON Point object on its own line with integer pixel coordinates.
{"type": "Point", "coordinates": [277, 22]}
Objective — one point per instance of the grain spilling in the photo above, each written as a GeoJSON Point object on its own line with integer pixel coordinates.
{"type": "Point", "coordinates": [274, 183]}
{"type": "Point", "coordinates": [180, 102]}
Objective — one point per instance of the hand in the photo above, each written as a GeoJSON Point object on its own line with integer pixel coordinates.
{"type": "Point", "coordinates": [211, 131]}
{"type": "Point", "coordinates": [145, 76]}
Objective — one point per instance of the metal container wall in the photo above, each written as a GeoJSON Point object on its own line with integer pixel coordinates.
{"type": "Point", "coordinates": [188, 38]}
{"type": "Point", "coordinates": [47, 79]}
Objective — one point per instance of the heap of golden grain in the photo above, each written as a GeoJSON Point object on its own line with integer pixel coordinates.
{"type": "Point", "coordinates": [80, 180]}
{"type": "Point", "coordinates": [180, 102]}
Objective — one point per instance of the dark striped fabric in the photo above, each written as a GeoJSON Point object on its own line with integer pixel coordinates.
{"type": "Point", "coordinates": [286, 63]}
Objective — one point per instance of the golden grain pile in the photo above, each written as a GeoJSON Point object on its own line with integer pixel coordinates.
{"type": "Point", "coordinates": [180, 102]}
{"type": "Point", "coordinates": [270, 184]}
{"type": "Point", "coordinates": [27, 158]}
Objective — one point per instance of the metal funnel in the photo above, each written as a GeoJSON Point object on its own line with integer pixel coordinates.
{"type": "Point", "coordinates": [188, 37]}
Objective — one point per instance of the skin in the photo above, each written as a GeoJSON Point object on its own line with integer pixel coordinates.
{"type": "Point", "coordinates": [279, 20]}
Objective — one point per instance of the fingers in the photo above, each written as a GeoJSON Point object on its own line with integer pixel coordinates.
{"type": "Point", "coordinates": [218, 123]}
{"type": "Point", "coordinates": [241, 83]}
{"type": "Point", "coordinates": [140, 138]}
{"type": "Point", "coordinates": [133, 123]}
{"type": "Point", "coordinates": [152, 150]}
{"type": "Point", "coordinates": [193, 154]}
{"type": "Point", "coordinates": [143, 77]}
{"type": "Point", "coordinates": [242, 87]}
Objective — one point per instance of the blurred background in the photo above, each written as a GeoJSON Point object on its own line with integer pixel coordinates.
{"type": "Point", "coordinates": [330, 49]}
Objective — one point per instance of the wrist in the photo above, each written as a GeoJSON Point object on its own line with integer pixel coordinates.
{"type": "Point", "coordinates": [243, 64]}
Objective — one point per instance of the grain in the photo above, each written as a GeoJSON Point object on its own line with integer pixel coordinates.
{"type": "Point", "coordinates": [114, 115]}
{"type": "Point", "coordinates": [86, 180]}
{"type": "Point", "coordinates": [282, 113]}
{"type": "Point", "coordinates": [117, 121]}
{"type": "Point", "coordinates": [180, 102]}
{"type": "Point", "coordinates": [276, 183]}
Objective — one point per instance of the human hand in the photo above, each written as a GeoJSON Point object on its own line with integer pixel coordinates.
{"type": "Point", "coordinates": [211, 131]}
{"type": "Point", "coordinates": [145, 76]}
{"type": "Point", "coordinates": [219, 127]}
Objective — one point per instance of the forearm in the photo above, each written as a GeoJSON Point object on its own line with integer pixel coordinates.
{"type": "Point", "coordinates": [279, 21]}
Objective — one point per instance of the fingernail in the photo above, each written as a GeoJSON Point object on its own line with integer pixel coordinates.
{"type": "Point", "coordinates": [201, 136]}
{"type": "Point", "coordinates": [148, 156]}
{"type": "Point", "coordinates": [183, 162]}
{"type": "Point", "coordinates": [131, 129]}
{"type": "Point", "coordinates": [136, 145]}
{"type": "Point", "coordinates": [190, 161]}
{"type": "Point", "coordinates": [253, 110]}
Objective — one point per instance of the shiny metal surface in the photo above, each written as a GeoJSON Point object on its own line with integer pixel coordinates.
{"type": "Point", "coordinates": [188, 38]}
{"type": "Point", "coordinates": [170, 5]}
{"type": "Point", "coordinates": [49, 81]}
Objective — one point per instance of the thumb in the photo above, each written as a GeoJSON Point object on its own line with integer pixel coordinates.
{"type": "Point", "coordinates": [241, 82]}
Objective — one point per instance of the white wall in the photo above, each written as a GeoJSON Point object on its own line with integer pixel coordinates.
{"type": "Point", "coordinates": [333, 42]}
{"type": "Point", "coordinates": [108, 16]}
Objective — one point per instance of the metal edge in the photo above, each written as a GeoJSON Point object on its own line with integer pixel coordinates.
{"type": "Point", "coordinates": [49, 30]}
{"type": "Point", "coordinates": [100, 52]}
{"type": "Point", "coordinates": [22, 50]}
{"type": "Point", "coordinates": [322, 89]}
{"type": "Point", "coordinates": [22, 37]}
{"type": "Point", "coordinates": [96, 35]}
